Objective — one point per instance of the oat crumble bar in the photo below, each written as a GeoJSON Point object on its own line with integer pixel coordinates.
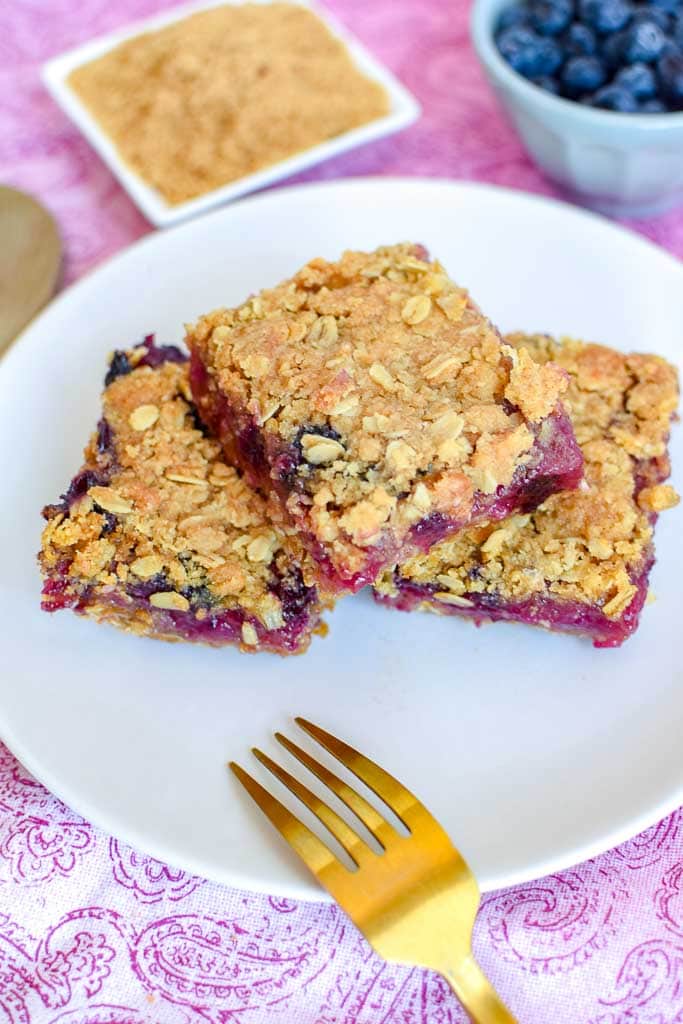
{"type": "Point", "coordinates": [158, 536]}
{"type": "Point", "coordinates": [225, 92]}
{"type": "Point", "coordinates": [374, 400]}
{"type": "Point", "coordinates": [580, 563]}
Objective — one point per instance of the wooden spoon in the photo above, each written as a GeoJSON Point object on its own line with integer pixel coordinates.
{"type": "Point", "coordinates": [30, 255]}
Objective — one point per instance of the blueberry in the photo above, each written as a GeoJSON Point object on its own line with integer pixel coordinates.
{"type": "Point", "coordinates": [655, 14]}
{"type": "Point", "coordinates": [548, 83]}
{"type": "Point", "coordinates": [668, 6]}
{"type": "Point", "coordinates": [644, 41]}
{"type": "Point", "coordinates": [297, 450]}
{"type": "Point", "coordinates": [110, 521]}
{"type": "Point", "coordinates": [639, 79]}
{"type": "Point", "coordinates": [319, 429]}
{"type": "Point", "coordinates": [653, 107]}
{"type": "Point", "coordinates": [293, 593]}
{"type": "Point", "coordinates": [81, 484]}
{"type": "Point", "coordinates": [671, 47]}
{"type": "Point", "coordinates": [583, 74]}
{"type": "Point", "coordinates": [550, 17]}
{"type": "Point", "coordinates": [550, 57]}
{"type": "Point", "coordinates": [528, 53]}
{"type": "Point", "coordinates": [612, 49]}
{"type": "Point", "coordinates": [678, 31]}
{"type": "Point", "coordinates": [605, 16]}
{"type": "Point", "coordinates": [158, 354]}
{"type": "Point", "coordinates": [518, 46]}
{"type": "Point", "coordinates": [614, 97]}
{"type": "Point", "coordinates": [105, 437]}
{"type": "Point", "coordinates": [199, 596]}
{"type": "Point", "coordinates": [579, 41]}
{"type": "Point", "coordinates": [670, 71]}
{"type": "Point", "coordinates": [143, 588]}
{"type": "Point", "coordinates": [513, 16]}
{"type": "Point", "coordinates": [119, 366]}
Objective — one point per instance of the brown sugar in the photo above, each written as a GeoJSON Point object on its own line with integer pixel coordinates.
{"type": "Point", "coordinates": [225, 92]}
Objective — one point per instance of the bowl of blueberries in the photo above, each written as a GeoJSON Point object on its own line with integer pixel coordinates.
{"type": "Point", "coordinates": [595, 90]}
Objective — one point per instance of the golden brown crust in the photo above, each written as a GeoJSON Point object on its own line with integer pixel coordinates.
{"type": "Point", "coordinates": [415, 384]}
{"type": "Point", "coordinates": [172, 510]}
{"type": "Point", "coordinates": [225, 92]}
{"type": "Point", "coordinates": [581, 546]}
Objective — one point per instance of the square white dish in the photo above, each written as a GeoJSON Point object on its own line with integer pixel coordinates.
{"type": "Point", "coordinates": [404, 109]}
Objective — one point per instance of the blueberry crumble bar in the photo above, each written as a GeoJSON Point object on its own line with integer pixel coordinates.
{"type": "Point", "coordinates": [157, 535]}
{"type": "Point", "coordinates": [580, 563]}
{"type": "Point", "coordinates": [380, 408]}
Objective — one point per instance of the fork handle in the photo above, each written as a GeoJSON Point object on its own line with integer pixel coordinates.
{"type": "Point", "coordinates": [476, 993]}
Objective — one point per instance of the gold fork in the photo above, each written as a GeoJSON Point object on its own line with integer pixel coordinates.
{"type": "Point", "coordinates": [415, 902]}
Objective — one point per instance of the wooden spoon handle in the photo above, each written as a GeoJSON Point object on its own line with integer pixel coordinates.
{"type": "Point", "coordinates": [30, 256]}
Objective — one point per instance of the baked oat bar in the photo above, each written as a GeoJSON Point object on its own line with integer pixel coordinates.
{"type": "Point", "coordinates": [379, 406]}
{"type": "Point", "coordinates": [580, 563]}
{"type": "Point", "coordinates": [158, 536]}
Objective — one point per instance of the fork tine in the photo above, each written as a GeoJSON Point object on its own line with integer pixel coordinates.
{"type": "Point", "coordinates": [362, 808]}
{"type": "Point", "coordinates": [313, 852]}
{"type": "Point", "coordinates": [401, 801]}
{"type": "Point", "coordinates": [343, 833]}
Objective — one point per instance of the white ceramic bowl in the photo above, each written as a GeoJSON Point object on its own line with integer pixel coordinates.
{"type": "Point", "coordinates": [626, 165]}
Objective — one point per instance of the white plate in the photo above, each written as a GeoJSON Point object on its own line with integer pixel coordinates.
{"type": "Point", "coordinates": [403, 110]}
{"type": "Point", "coordinates": [535, 750]}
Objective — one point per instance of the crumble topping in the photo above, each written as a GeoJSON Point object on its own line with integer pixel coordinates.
{"type": "Point", "coordinates": [225, 92]}
{"type": "Point", "coordinates": [579, 545]}
{"type": "Point", "coordinates": [172, 517]}
{"type": "Point", "coordinates": [400, 396]}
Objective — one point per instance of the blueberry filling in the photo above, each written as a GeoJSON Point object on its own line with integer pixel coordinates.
{"type": "Point", "coordinates": [430, 530]}
{"type": "Point", "coordinates": [143, 589]}
{"type": "Point", "coordinates": [200, 597]}
{"type": "Point", "coordinates": [252, 445]}
{"type": "Point", "coordinates": [196, 421]}
{"type": "Point", "coordinates": [58, 594]}
{"type": "Point", "coordinates": [80, 485]}
{"type": "Point", "coordinates": [219, 626]}
{"type": "Point", "coordinates": [110, 521]}
{"type": "Point", "coordinates": [293, 593]}
{"type": "Point", "coordinates": [290, 462]}
{"type": "Point", "coordinates": [536, 610]}
{"type": "Point", "coordinates": [285, 467]}
{"type": "Point", "coordinates": [120, 364]}
{"type": "Point", "coordinates": [320, 430]}
{"type": "Point", "coordinates": [158, 354]}
{"type": "Point", "coordinates": [105, 437]}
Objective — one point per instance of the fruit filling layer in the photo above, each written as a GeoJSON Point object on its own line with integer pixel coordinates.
{"type": "Point", "coordinates": [580, 562]}
{"type": "Point", "coordinates": [157, 535]}
{"type": "Point", "coordinates": [379, 407]}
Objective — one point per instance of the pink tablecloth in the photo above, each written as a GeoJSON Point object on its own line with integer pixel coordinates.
{"type": "Point", "coordinates": [92, 932]}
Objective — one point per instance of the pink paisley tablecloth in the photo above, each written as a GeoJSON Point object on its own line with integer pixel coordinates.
{"type": "Point", "coordinates": [93, 932]}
